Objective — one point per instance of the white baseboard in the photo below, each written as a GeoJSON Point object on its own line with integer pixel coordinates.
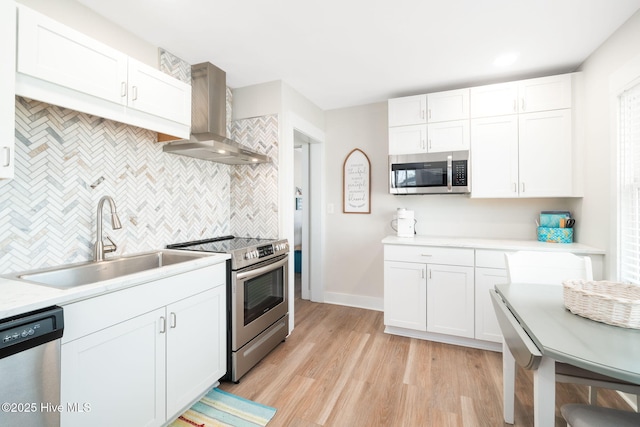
{"type": "Point", "coordinates": [358, 301]}
{"type": "Point", "coordinates": [446, 339]}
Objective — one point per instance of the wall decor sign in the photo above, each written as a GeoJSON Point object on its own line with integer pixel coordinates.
{"type": "Point", "coordinates": [356, 180]}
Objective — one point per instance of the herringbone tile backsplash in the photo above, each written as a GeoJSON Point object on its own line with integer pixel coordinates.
{"type": "Point", "coordinates": [48, 212]}
{"type": "Point", "coordinates": [66, 161]}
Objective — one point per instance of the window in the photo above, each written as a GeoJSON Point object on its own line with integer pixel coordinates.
{"type": "Point", "coordinates": [629, 185]}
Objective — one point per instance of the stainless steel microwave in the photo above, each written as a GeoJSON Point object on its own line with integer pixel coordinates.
{"type": "Point", "coordinates": [430, 173]}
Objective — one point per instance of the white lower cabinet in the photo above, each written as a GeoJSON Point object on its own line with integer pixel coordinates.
{"type": "Point", "coordinates": [120, 369]}
{"type": "Point", "coordinates": [486, 323]}
{"type": "Point", "coordinates": [195, 358]}
{"type": "Point", "coordinates": [405, 295]}
{"type": "Point", "coordinates": [450, 300]}
{"type": "Point", "coordinates": [429, 296]}
{"type": "Point", "coordinates": [116, 376]}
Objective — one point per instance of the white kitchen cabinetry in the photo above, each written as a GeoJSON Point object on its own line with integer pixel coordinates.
{"type": "Point", "coordinates": [64, 67]}
{"type": "Point", "coordinates": [490, 271]}
{"type": "Point", "coordinates": [405, 295]}
{"type": "Point", "coordinates": [438, 288]}
{"type": "Point", "coordinates": [450, 299]}
{"type": "Point", "coordinates": [448, 136]}
{"type": "Point", "coordinates": [448, 106]}
{"type": "Point", "coordinates": [119, 372]}
{"type": "Point", "coordinates": [408, 139]}
{"type": "Point", "coordinates": [494, 160]}
{"type": "Point", "coordinates": [525, 155]}
{"type": "Point", "coordinates": [545, 154]}
{"type": "Point", "coordinates": [195, 357]}
{"type": "Point", "coordinates": [7, 88]}
{"type": "Point", "coordinates": [408, 110]}
{"type": "Point", "coordinates": [141, 355]}
{"type": "Point", "coordinates": [447, 114]}
{"type": "Point", "coordinates": [429, 289]}
{"type": "Point", "coordinates": [448, 120]}
{"type": "Point", "coordinates": [525, 96]}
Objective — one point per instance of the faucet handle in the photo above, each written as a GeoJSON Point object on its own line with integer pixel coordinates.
{"type": "Point", "coordinates": [111, 247]}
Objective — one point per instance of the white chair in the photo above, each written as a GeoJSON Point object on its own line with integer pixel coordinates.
{"type": "Point", "coordinates": [596, 416]}
{"type": "Point", "coordinates": [552, 268]}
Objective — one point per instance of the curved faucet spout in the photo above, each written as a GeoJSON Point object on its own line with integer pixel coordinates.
{"type": "Point", "coordinates": [99, 248]}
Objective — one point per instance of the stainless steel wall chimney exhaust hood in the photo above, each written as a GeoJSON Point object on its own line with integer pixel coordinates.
{"type": "Point", "coordinates": [209, 122]}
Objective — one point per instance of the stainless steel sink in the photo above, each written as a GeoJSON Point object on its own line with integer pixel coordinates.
{"type": "Point", "coordinates": [92, 272]}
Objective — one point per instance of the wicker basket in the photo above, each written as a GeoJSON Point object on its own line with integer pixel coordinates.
{"type": "Point", "coordinates": [613, 303]}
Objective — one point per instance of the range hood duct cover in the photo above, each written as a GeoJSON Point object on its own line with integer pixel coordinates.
{"type": "Point", "coordinates": [209, 122]}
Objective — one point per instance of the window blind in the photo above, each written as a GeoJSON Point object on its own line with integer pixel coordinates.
{"type": "Point", "coordinates": [629, 185]}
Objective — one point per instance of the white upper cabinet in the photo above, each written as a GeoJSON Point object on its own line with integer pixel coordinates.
{"type": "Point", "coordinates": [448, 136]}
{"type": "Point", "coordinates": [494, 159]}
{"type": "Point", "coordinates": [545, 93]}
{"type": "Point", "coordinates": [51, 51]}
{"type": "Point", "coordinates": [447, 114]}
{"type": "Point", "coordinates": [158, 93]}
{"type": "Point", "coordinates": [526, 96]}
{"type": "Point", "coordinates": [494, 100]}
{"type": "Point", "coordinates": [448, 105]}
{"type": "Point", "coordinates": [409, 110]}
{"type": "Point", "coordinates": [408, 139]}
{"type": "Point", "coordinates": [61, 66]}
{"type": "Point", "coordinates": [7, 88]}
{"type": "Point", "coordinates": [545, 153]}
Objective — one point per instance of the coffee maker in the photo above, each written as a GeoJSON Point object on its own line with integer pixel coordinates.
{"type": "Point", "coordinates": [405, 222]}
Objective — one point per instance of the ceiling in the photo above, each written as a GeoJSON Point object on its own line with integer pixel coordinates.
{"type": "Point", "coordinates": [341, 53]}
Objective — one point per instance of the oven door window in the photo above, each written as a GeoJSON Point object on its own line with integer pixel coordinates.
{"type": "Point", "coordinates": [262, 293]}
{"type": "Point", "coordinates": [411, 175]}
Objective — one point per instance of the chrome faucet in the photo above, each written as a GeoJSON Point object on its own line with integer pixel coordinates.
{"type": "Point", "coordinates": [100, 248]}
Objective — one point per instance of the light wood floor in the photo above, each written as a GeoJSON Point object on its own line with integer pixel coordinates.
{"type": "Point", "coordinates": [338, 368]}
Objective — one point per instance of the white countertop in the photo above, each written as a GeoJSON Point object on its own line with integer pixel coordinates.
{"type": "Point", "coordinates": [17, 296]}
{"type": "Point", "coordinates": [497, 244]}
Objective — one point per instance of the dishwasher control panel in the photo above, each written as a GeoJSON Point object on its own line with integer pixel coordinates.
{"type": "Point", "coordinates": [19, 333]}
{"type": "Point", "coordinates": [26, 331]}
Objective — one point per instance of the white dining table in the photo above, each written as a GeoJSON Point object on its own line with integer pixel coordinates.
{"type": "Point", "coordinates": [539, 331]}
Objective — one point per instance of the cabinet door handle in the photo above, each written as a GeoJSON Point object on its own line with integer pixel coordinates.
{"type": "Point", "coordinates": [134, 90]}
{"type": "Point", "coordinates": [163, 325]}
{"type": "Point", "coordinates": [422, 114]}
{"type": "Point", "coordinates": [515, 187]}
{"type": "Point", "coordinates": [422, 273]}
{"type": "Point", "coordinates": [429, 273]}
{"type": "Point", "coordinates": [523, 187]}
{"type": "Point", "coordinates": [173, 320]}
{"type": "Point", "coordinates": [7, 152]}
{"type": "Point", "coordinates": [522, 104]}
{"type": "Point", "coordinates": [123, 89]}
{"type": "Point", "coordinates": [515, 106]}
{"type": "Point", "coordinates": [429, 113]}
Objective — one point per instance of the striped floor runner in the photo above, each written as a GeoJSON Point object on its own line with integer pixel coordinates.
{"type": "Point", "coordinates": [219, 408]}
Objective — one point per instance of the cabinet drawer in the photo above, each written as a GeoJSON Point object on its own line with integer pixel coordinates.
{"type": "Point", "coordinates": [429, 255]}
{"type": "Point", "coordinates": [490, 258]}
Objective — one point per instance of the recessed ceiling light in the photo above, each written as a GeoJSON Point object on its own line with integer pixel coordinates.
{"type": "Point", "coordinates": [505, 59]}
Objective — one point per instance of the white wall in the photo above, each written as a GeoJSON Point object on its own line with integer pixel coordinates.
{"type": "Point", "coordinates": [83, 19]}
{"type": "Point", "coordinates": [597, 207]}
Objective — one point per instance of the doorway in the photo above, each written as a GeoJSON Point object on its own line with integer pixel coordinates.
{"type": "Point", "coordinates": [301, 215]}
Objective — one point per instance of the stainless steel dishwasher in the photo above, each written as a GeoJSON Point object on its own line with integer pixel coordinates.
{"type": "Point", "coordinates": [30, 366]}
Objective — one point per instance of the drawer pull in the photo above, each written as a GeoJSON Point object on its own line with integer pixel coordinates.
{"type": "Point", "coordinates": [426, 255]}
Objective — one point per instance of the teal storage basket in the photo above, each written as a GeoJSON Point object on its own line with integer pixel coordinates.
{"type": "Point", "coordinates": [555, 235]}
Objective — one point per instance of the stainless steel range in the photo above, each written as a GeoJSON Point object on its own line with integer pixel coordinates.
{"type": "Point", "coordinates": [257, 297]}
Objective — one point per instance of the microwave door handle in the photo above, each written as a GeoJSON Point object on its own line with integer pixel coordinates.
{"type": "Point", "coordinates": [449, 173]}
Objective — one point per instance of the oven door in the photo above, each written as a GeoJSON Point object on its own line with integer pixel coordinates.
{"type": "Point", "coordinates": [258, 299]}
